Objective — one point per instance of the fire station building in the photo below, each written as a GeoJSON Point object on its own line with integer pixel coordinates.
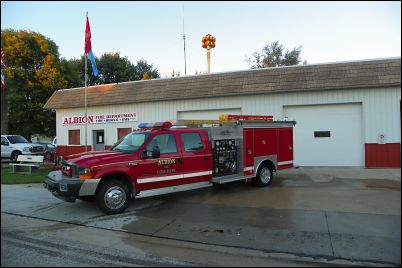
{"type": "Point", "coordinates": [346, 113]}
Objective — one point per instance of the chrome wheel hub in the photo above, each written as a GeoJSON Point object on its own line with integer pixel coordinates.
{"type": "Point", "coordinates": [265, 175]}
{"type": "Point", "coordinates": [115, 197]}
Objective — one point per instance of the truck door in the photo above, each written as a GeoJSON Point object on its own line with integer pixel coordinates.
{"type": "Point", "coordinates": [164, 171]}
{"type": "Point", "coordinates": [5, 147]}
{"type": "Point", "coordinates": [197, 157]}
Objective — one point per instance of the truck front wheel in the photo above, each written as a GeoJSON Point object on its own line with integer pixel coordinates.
{"type": "Point", "coordinates": [112, 197]}
{"type": "Point", "coordinates": [264, 176]}
{"type": "Point", "coordinates": [14, 156]}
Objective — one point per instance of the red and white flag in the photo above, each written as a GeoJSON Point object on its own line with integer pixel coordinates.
{"type": "Point", "coordinates": [3, 85]}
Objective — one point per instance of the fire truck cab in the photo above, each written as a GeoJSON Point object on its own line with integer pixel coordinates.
{"type": "Point", "coordinates": [160, 158]}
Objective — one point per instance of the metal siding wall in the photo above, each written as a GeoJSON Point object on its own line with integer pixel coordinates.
{"type": "Point", "coordinates": [380, 110]}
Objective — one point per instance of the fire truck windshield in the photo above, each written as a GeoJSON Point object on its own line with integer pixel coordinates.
{"type": "Point", "coordinates": [131, 142]}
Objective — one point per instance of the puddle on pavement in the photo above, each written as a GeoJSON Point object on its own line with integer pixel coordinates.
{"type": "Point", "coordinates": [328, 181]}
{"type": "Point", "coordinates": [381, 184]}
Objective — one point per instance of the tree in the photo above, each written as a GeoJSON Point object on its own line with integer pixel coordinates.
{"type": "Point", "coordinates": [74, 69]}
{"type": "Point", "coordinates": [74, 76]}
{"type": "Point", "coordinates": [200, 72]}
{"type": "Point", "coordinates": [114, 69]}
{"type": "Point", "coordinates": [274, 55]}
{"type": "Point", "coordinates": [143, 68]}
{"type": "Point", "coordinates": [33, 73]}
{"type": "Point", "coordinates": [175, 73]}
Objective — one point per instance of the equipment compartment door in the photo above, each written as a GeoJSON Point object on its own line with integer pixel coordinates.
{"type": "Point", "coordinates": [248, 139]}
{"type": "Point", "coordinates": [285, 148]}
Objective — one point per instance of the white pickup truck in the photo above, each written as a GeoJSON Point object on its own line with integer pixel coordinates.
{"type": "Point", "coordinates": [14, 145]}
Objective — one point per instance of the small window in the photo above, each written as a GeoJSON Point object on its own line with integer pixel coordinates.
{"type": "Point", "coordinates": [322, 134]}
{"type": "Point", "coordinates": [99, 137]}
{"type": "Point", "coordinates": [165, 142]}
{"type": "Point", "coordinates": [122, 132]}
{"type": "Point", "coordinates": [74, 137]}
{"type": "Point", "coordinates": [192, 142]}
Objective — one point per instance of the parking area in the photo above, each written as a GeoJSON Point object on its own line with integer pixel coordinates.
{"type": "Point", "coordinates": [349, 214]}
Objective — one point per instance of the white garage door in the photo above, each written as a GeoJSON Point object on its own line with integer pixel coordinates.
{"type": "Point", "coordinates": [206, 114]}
{"type": "Point", "coordinates": [327, 135]}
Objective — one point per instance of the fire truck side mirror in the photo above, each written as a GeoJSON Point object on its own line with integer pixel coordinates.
{"type": "Point", "coordinates": [144, 154]}
{"type": "Point", "coordinates": [156, 153]}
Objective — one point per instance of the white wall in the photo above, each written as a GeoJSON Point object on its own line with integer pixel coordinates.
{"type": "Point", "coordinates": [380, 111]}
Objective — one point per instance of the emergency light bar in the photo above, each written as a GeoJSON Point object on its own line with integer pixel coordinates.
{"type": "Point", "coordinates": [229, 117]}
{"type": "Point", "coordinates": [157, 125]}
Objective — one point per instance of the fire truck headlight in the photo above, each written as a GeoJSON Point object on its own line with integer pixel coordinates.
{"type": "Point", "coordinates": [85, 173]}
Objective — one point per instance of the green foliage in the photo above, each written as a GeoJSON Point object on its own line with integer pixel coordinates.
{"type": "Point", "coordinates": [274, 55]}
{"type": "Point", "coordinates": [112, 69]}
{"type": "Point", "coordinates": [175, 73]}
{"type": "Point", "coordinates": [73, 73]}
{"type": "Point", "coordinates": [37, 175]}
{"type": "Point", "coordinates": [32, 74]}
{"type": "Point", "coordinates": [115, 69]}
{"type": "Point", "coordinates": [143, 69]}
{"type": "Point", "coordinates": [200, 72]}
{"type": "Point", "coordinates": [34, 71]}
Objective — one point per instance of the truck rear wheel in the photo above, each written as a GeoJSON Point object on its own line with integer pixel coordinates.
{"type": "Point", "coordinates": [264, 176]}
{"type": "Point", "coordinates": [112, 197]}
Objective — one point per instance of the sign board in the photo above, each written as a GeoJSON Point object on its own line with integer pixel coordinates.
{"type": "Point", "coordinates": [100, 119]}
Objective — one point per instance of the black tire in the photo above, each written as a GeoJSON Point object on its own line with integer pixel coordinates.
{"type": "Point", "coordinates": [112, 197]}
{"type": "Point", "coordinates": [14, 156]}
{"type": "Point", "coordinates": [264, 176]}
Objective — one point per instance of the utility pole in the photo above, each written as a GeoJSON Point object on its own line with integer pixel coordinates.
{"type": "Point", "coordinates": [208, 42]}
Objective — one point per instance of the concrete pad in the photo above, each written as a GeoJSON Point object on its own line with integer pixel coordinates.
{"type": "Point", "coordinates": [301, 243]}
{"type": "Point", "coordinates": [387, 226]}
{"type": "Point", "coordinates": [368, 248]}
{"type": "Point", "coordinates": [242, 216]}
{"type": "Point", "coordinates": [370, 237]}
{"type": "Point", "coordinates": [301, 193]}
{"type": "Point", "coordinates": [322, 213]}
{"type": "Point", "coordinates": [326, 173]}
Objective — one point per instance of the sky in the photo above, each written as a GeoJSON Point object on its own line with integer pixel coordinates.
{"type": "Point", "coordinates": [153, 31]}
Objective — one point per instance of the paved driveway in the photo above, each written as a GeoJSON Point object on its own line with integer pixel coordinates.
{"type": "Point", "coordinates": [322, 213]}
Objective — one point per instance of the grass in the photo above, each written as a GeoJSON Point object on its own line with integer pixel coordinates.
{"type": "Point", "coordinates": [38, 175]}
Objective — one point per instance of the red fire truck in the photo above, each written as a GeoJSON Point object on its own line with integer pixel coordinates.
{"type": "Point", "coordinates": [161, 158]}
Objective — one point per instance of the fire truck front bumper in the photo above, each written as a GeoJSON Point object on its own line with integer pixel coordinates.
{"type": "Point", "coordinates": [69, 189]}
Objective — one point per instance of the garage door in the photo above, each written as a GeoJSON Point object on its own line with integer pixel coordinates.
{"type": "Point", "coordinates": [206, 114]}
{"type": "Point", "coordinates": [327, 135]}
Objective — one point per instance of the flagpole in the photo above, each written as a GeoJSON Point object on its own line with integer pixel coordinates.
{"type": "Point", "coordinates": [184, 41]}
{"type": "Point", "coordinates": [86, 118]}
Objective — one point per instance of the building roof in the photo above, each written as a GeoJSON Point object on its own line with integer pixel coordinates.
{"type": "Point", "coordinates": [342, 75]}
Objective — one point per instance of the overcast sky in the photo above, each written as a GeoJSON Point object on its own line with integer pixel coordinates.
{"type": "Point", "coordinates": [327, 31]}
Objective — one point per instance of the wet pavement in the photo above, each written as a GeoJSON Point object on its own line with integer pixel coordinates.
{"type": "Point", "coordinates": [333, 213]}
